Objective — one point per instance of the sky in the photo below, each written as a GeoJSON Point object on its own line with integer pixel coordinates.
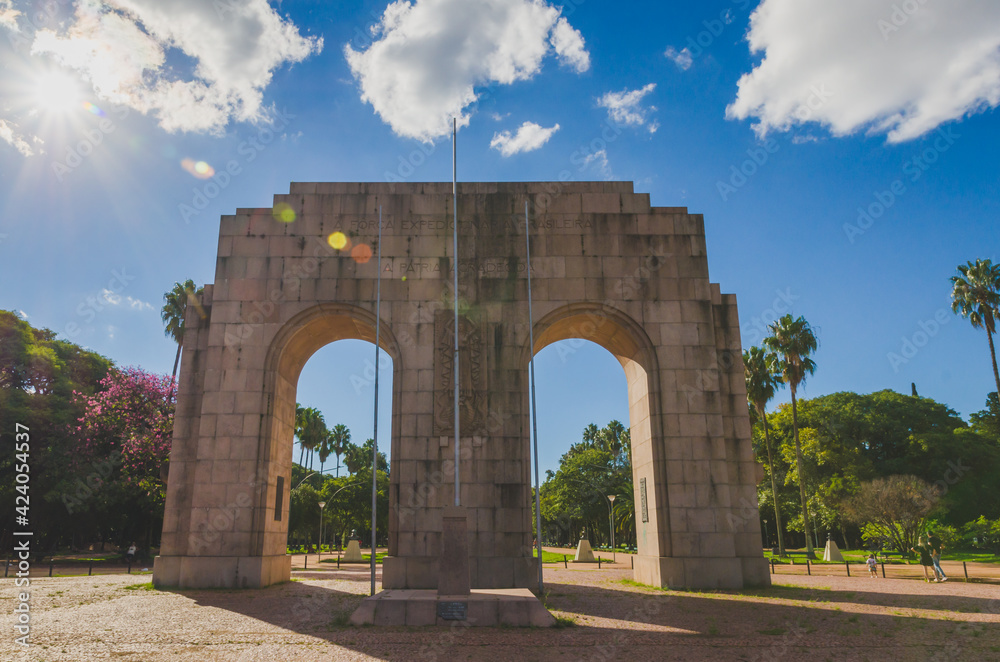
{"type": "Point", "coordinates": [843, 156]}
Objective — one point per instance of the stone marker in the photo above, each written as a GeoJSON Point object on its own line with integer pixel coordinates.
{"type": "Point", "coordinates": [353, 552]}
{"type": "Point", "coordinates": [832, 553]}
{"type": "Point", "coordinates": [584, 553]}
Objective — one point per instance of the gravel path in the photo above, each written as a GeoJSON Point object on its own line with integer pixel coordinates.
{"type": "Point", "coordinates": [605, 617]}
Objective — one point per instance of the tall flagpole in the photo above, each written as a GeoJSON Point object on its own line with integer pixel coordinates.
{"type": "Point", "coordinates": [534, 410]}
{"type": "Point", "coordinates": [378, 320]}
{"type": "Point", "coordinates": [454, 204]}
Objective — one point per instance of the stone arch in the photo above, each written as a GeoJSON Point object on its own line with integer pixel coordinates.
{"type": "Point", "coordinates": [292, 346]}
{"type": "Point", "coordinates": [627, 341]}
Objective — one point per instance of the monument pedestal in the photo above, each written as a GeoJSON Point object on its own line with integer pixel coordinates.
{"type": "Point", "coordinates": [512, 607]}
{"type": "Point", "coordinates": [353, 552]}
{"type": "Point", "coordinates": [701, 572]}
{"type": "Point", "coordinates": [221, 571]}
{"type": "Point", "coordinates": [584, 553]}
{"type": "Point", "coordinates": [832, 552]}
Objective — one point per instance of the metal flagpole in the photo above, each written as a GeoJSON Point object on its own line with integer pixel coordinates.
{"type": "Point", "coordinates": [454, 203]}
{"type": "Point", "coordinates": [534, 410]}
{"type": "Point", "coordinates": [378, 320]}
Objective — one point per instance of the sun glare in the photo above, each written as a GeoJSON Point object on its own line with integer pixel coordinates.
{"type": "Point", "coordinates": [57, 92]}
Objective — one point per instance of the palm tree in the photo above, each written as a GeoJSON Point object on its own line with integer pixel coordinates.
{"type": "Point", "coordinates": [976, 296]}
{"type": "Point", "coordinates": [173, 311]}
{"type": "Point", "coordinates": [340, 438]}
{"type": "Point", "coordinates": [763, 375]}
{"type": "Point", "coordinates": [310, 428]}
{"type": "Point", "coordinates": [793, 341]}
{"type": "Point", "coordinates": [324, 448]}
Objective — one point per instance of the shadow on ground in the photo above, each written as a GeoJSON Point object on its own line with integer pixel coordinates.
{"type": "Point", "coordinates": [610, 619]}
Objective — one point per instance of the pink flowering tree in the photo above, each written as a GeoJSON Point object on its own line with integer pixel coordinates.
{"type": "Point", "coordinates": [128, 422]}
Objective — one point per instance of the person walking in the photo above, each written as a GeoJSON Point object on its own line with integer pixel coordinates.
{"type": "Point", "coordinates": [130, 554]}
{"type": "Point", "coordinates": [935, 544]}
{"type": "Point", "coordinates": [872, 566]}
{"type": "Point", "coordinates": [925, 556]}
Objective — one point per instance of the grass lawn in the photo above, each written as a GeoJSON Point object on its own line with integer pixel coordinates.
{"type": "Point", "coordinates": [366, 557]}
{"type": "Point", "coordinates": [859, 556]}
{"type": "Point", "coordinates": [555, 557]}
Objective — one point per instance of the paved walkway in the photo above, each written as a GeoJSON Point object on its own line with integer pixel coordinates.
{"type": "Point", "coordinates": [607, 616]}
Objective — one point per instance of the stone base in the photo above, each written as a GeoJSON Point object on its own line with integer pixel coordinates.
{"type": "Point", "coordinates": [832, 552]}
{"type": "Point", "coordinates": [701, 573]}
{"type": "Point", "coordinates": [584, 553]}
{"type": "Point", "coordinates": [221, 571]}
{"type": "Point", "coordinates": [421, 572]}
{"type": "Point", "coordinates": [515, 607]}
{"type": "Point", "coordinates": [353, 553]}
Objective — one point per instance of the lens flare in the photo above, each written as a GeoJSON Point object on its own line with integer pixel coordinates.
{"type": "Point", "coordinates": [283, 212]}
{"type": "Point", "coordinates": [361, 253]}
{"type": "Point", "coordinates": [93, 109]}
{"type": "Point", "coordinates": [337, 240]}
{"type": "Point", "coordinates": [198, 169]}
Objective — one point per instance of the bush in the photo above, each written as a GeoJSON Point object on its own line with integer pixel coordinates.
{"type": "Point", "coordinates": [982, 533]}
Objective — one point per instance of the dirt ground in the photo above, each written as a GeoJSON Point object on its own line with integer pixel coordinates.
{"type": "Point", "coordinates": [603, 617]}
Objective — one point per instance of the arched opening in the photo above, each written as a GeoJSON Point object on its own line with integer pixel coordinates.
{"type": "Point", "coordinates": [628, 344]}
{"type": "Point", "coordinates": [293, 345]}
{"type": "Point", "coordinates": [332, 453]}
{"type": "Point", "coordinates": [583, 451]}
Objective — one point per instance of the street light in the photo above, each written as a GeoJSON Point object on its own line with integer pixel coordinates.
{"type": "Point", "coordinates": [322, 505]}
{"type": "Point", "coordinates": [611, 519]}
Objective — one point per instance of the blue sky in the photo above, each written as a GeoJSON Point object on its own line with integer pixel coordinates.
{"type": "Point", "coordinates": [828, 109]}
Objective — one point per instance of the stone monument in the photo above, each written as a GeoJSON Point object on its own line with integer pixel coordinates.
{"type": "Point", "coordinates": [353, 552]}
{"type": "Point", "coordinates": [606, 267]}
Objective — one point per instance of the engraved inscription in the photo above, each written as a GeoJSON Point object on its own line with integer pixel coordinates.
{"type": "Point", "coordinates": [472, 376]}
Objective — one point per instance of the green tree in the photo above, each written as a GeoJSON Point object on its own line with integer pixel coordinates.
{"type": "Point", "coordinates": [893, 509]}
{"type": "Point", "coordinates": [763, 377]}
{"type": "Point", "coordinates": [340, 438]}
{"type": "Point", "coordinates": [793, 340]}
{"type": "Point", "coordinates": [975, 296]}
{"type": "Point", "coordinates": [310, 428]}
{"type": "Point", "coordinates": [174, 309]}
{"type": "Point", "coordinates": [40, 377]}
{"type": "Point", "coordinates": [987, 421]}
{"type": "Point", "coordinates": [576, 496]}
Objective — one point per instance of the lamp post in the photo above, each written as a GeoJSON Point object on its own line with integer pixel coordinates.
{"type": "Point", "coordinates": [611, 523]}
{"type": "Point", "coordinates": [319, 548]}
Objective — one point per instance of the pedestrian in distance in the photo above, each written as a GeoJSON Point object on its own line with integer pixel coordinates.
{"type": "Point", "coordinates": [130, 554]}
{"type": "Point", "coordinates": [924, 549]}
{"type": "Point", "coordinates": [872, 566]}
{"type": "Point", "coordinates": [935, 544]}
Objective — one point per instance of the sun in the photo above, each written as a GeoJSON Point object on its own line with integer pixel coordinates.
{"type": "Point", "coordinates": [57, 92]}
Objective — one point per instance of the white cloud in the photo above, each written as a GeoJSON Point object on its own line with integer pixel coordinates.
{"type": "Point", "coordinates": [114, 299]}
{"type": "Point", "coordinates": [8, 135]}
{"type": "Point", "coordinates": [529, 136]}
{"type": "Point", "coordinates": [626, 107]}
{"type": "Point", "coordinates": [900, 68]}
{"type": "Point", "coordinates": [428, 57]}
{"type": "Point", "coordinates": [569, 46]}
{"type": "Point", "coordinates": [127, 49]}
{"type": "Point", "coordinates": [599, 160]}
{"type": "Point", "coordinates": [8, 15]}
{"type": "Point", "coordinates": [681, 58]}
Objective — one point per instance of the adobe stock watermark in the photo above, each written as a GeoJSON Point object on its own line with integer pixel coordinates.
{"type": "Point", "coordinates": [740, 174]}
{"type": "Point", "coordinates": [88, 309]}
{"type": "Point", "coordinates": [249, 150]}
{"type": "Point", "coordinates": [913, 169]}
{"type": "Point", "coordinates": [78, 152]}
{"type": "Point", "coordinates": [899, 16]}
{"type": "Point", "coordinates": [756, 329]}
{"type": "Point", "coordinates": [911, 345]}
{"type": "Point", "coordinates": [695, 46]}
